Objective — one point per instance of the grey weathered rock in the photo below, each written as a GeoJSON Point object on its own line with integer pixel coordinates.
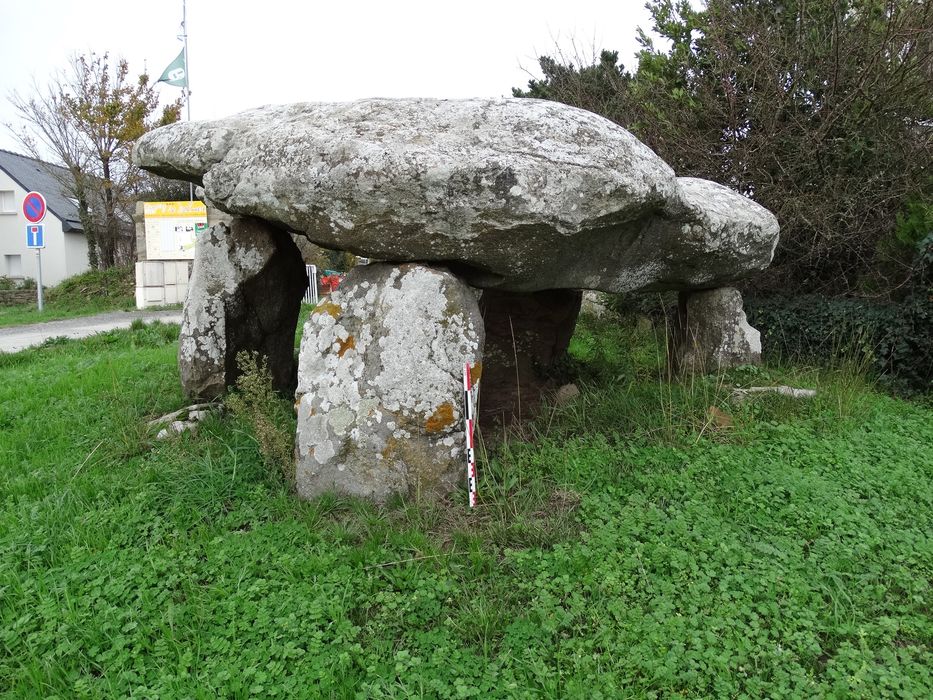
{"type": "Point", "coordinates": [739, 394]}
{"type": "Point", "coordinates": [380, 387]}
{"type": "Point", "coordinates": [566, 395]}
{"type": "Point", "coordinates": [181, 421]}
{"type": "Point", "coordinates": [594, 304]}
{"type": "Point", "coordinates": [714, 333]}
{"type": "Point", "coordinates": [244, 294]}
{"type": "Point", "coordinates": [519, 194]}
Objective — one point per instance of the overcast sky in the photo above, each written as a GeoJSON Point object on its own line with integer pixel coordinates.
{"type": "Point", "coordinates": [242, 55]}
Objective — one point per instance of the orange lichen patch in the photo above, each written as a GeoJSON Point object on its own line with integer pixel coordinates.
{"type": "Point", "coordinates": [476, 371]}
{"type": "Point", "coordinates": [328, 307]}
{"type": "Point", "coordinates": [348, 344]}
{"type": "Point", "coordinates": [443, 417]}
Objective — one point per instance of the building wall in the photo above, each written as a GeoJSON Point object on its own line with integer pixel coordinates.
{"type": "Point", "coordinates": [75, 247]}
{"type": "Point", "coordinates": [64, 255]}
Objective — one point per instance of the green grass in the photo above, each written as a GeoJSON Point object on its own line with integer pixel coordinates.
{"type": "Point", "coordinates": [89, 293]}
{"type": "Point", "coordinates": [628, 547]}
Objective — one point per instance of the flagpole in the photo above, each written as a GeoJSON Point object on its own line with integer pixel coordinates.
{"type": "Point", "coordinates": [184, 34]}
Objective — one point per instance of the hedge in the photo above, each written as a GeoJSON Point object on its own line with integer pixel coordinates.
{"type": "Point", "coordinates": [896, 337]}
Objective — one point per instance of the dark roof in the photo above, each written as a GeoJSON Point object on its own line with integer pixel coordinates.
{"type": "Point", "coordinates": [38, 176]}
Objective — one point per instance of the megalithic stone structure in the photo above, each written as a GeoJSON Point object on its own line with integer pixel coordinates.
{"type": "Point", "coordinates": [244, 294]}
{"type": "Point", "coordinates": [514, 194]}
{"type": "Point", "coordinates": [525, 201]}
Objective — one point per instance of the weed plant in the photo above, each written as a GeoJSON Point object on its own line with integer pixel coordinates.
{"type": "Point", "coordinates": [624, 546]}
{"type": "Point", "coordinates": [267, 415]}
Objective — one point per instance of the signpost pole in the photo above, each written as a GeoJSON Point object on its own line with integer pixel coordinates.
{"type": "Point", "coordinates": [39, 276]}
{"type": "Point", "coordinates": [34, 209]}
{"type": "Point", "coordinates": [184, 31]}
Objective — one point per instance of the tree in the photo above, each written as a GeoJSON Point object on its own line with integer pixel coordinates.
{"type": "Point", "coordinates": [821, 110]}
{"type": "Point", "coordinates": [51, 131]}
{"type": "Point", "coordinates": [593, 87]}
{"type": "Point", "coordinates": [89, 119]}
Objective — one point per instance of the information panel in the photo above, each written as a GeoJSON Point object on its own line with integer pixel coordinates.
{"type": "Point", "coordinates": [171, 228]}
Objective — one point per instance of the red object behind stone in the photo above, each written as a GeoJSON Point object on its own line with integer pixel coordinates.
{"type": "Point", "coordinates": [331, 282]}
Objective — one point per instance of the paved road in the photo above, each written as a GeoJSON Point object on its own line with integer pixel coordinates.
{"type": "Point", "coordinates": [16, 338]}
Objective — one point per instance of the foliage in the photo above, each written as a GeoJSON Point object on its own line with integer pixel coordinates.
{"type": "Point", "coordinates": [923, 266]}
{"type": "Point", "coordinates": [324, 258]}
{"type": "Point", "coordinates": [788, 557]}
{"type": "Point", "coordinates": [89, 119]}
{"type": "Point", "coordinates": [269, 416]}
{"type": "Point", "coordinates": [9, 283]}
{"type": "Point", "coordinates": [914, 224]}
{"type": "Point", "coordinates": [91, 292]}
{"type": "Point", "coordinates": [893, 340]}
{"type": "Point", "coordinates": [820, 111]}
{"type": "Point", "coordinates": [898, 338]}
{"type": "Point", "coordinates": [115, 284]}
{"type": "Point", "coordinates": [340, 260]}
{"type": "Point", "coordinates": [154, 188]}
{"type": "Point", "coordinates": [594, 87]}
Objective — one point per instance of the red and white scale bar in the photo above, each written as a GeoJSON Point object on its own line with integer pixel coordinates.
{"type": "Point", "coordinates": [469, 417]}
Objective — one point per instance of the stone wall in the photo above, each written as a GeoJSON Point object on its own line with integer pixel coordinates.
{"type": "Point", "coordinates": [12, 297]}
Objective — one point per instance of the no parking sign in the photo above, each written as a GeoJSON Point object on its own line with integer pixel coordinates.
{"type": "Point", "coordinates": [34, 207]}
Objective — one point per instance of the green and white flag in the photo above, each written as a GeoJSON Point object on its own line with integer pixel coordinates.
{"type": "Point", "coordinates": [177, 73]}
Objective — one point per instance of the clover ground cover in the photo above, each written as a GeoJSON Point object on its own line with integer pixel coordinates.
{"type": "Point", "coordinates": [625, 546]}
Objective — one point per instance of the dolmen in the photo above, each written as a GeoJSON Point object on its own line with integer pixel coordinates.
{"type": "Point", "coordinates": [488, 218]}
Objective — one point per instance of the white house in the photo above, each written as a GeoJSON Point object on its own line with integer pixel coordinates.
{"type": "Point", "coordinates": [65, 252]}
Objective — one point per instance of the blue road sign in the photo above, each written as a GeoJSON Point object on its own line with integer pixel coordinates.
{"type": "Point", "coordinates": [35, 236]}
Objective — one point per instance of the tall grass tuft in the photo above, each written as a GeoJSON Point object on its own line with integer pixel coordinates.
{"type": "Point", "coordinates": [629, 393]}
{"type": "Point", "coordinates": [268, 416]}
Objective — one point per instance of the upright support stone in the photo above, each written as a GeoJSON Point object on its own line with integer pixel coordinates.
{"type": "Point", "coordinates": [380, 388]}
{"type": "Point", "coordinates": [713, 333]}
{"type": "Point", "coordinates": [526, 334]}
{"type": "Point", "coordinates": [244, 294]}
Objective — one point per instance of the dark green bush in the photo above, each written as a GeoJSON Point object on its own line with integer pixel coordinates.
{"type": "Point", "coordinates": [898, 338]}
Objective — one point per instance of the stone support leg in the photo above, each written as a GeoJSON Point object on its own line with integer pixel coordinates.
{"type": "Point", "coordinates": [244, 294]}
{"type": "Point", "coordinates": [713, 334]}
{"type": "Point", "coordinates": [380, 384]}
{"type": "Point", "coordinates": [525, 336]}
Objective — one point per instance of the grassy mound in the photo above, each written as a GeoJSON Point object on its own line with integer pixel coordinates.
{"type": "Point", "coordinates": [631, 544]}
{"type": "Point", "coordinates": [91, 292]}
{"type": "Point", "coordinates": [113, 287]}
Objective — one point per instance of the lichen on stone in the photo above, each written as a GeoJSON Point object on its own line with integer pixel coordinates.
{"type": "Point", "coordinates": [380, 381]}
